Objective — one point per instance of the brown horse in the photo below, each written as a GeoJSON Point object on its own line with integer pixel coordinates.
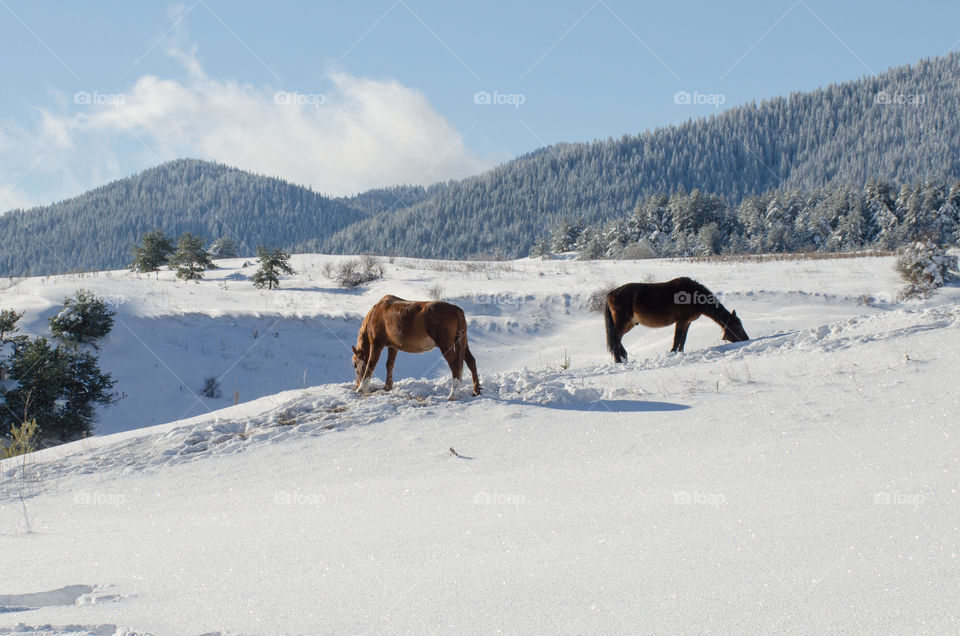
{"type": "Point", "coordinates": [679, 301]}
{"type": "Point", "coordinates": [412, 327]}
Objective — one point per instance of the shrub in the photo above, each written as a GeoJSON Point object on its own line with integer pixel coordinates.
{"type": "Point", "coordinates": [598, 299]}
{"type": "Point", "coordinates": [23, 439]}
{"type": "Point", "coordinates": [211, 387]}
{"type": "Point", "coordinates": [924, 266]}
{"type": "Point", "coordinates": [642, 250]}
{"type": "Point", "coordinates": [355, 272]}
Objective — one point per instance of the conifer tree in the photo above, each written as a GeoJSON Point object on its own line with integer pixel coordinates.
{"type": "Point", "coordinates": [224, 247]}
{"type": "Point", "coordinates": [84, 318]}
{"type": "Point", "coordinates": [273, 262]}
{"type": "Point", "coordinates": [191, 258]}
{"type": "Point", "coordinates": [58, 386]}
{"type": "Point", "coordinates": [154, 250]}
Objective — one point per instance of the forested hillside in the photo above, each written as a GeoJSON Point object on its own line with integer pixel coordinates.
{"type": "Point", "coordinates": [97, 229]}
{"type": "Point", "coordinates": [901, 127]}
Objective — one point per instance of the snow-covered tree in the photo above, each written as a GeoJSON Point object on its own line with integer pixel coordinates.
{"type": "Point", "coordinates": [273, 262]}
{"type": "Point", "coordinates": [154, 250]}
{"type": "Point", "coordinates": [84, 319]}
{"type": "Point", "coordinates": [191, 258]}
{"type": "Point", "coordinates": [924, 266]}
{"type": "Point", "coordinates": [224, 247]}
{"type": "Point", "coordinates": [880, 208]}
{"type": "Point", "coordinates": [58, 387]}
{"type": "Point", "coordinates": [564, 236]}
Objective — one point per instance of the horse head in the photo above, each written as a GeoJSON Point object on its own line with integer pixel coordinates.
{"type": "Point", "coordinates": [733, 329]}
{"type": "Point", "coordinates": [359, 362]}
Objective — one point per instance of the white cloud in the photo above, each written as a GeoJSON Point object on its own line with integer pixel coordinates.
{"type": "Point", "coordinates": [364, 133]}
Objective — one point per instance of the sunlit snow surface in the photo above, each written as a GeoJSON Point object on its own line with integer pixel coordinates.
{"type": "Point", "coordinates": [805, 481]}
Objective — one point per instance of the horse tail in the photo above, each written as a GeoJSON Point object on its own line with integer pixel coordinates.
{"type": "Point", "coordinates": [613, 334]}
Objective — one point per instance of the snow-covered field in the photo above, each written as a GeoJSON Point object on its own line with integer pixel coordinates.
{"type": "Point", "coordinates": [805, 481]}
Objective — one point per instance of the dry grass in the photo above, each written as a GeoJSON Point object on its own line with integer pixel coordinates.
{"type": "Point", "coordinates": [785, 256]}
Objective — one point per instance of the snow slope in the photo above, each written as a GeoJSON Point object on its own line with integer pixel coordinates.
{"type": "Point", "coordinates": [805, 481]}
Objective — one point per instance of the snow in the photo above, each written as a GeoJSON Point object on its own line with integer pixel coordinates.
{"type": "Point", "coordinates": [804, 481]}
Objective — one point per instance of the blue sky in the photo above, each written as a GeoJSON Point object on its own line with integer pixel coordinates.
{"type": "Point", "coordinates": [344, 96]}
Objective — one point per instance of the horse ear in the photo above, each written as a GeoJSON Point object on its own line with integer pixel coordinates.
{"type": "Point", "coordinates": [354, 349]}
{"type": "Point", "coordinates": [734, 313]}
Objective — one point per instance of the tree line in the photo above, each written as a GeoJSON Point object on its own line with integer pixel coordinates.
{"type": "Point", "coordinates": [835, 218]}
{"type": "Point", "coordinates": [189, 257]}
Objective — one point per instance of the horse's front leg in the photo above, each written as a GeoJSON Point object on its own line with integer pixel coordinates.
{"type": "Point", "coordinates": [680, 336]}
{"type": "Point", "coordinates": [375, 350]}
{"type": "Point", "coordinates": [677, 334]}
{"type": "Point", "coordinates": [391, 359]}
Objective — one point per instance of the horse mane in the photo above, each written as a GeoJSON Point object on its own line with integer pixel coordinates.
{"type": "Point", "coordinates": [715, 310]}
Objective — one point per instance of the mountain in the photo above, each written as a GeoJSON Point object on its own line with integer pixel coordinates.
{"type": "Point", "coordinates": [902, 126]}
{"type": "Point", "coordinates": [95, 230]}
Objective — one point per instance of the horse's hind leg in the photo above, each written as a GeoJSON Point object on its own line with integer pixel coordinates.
{"type": "Point", "coordinates": [391, 359]}
{"type": "Point", "coordinates": [472, 365]}
{"type": "Point", "coordinates": [456, 368]}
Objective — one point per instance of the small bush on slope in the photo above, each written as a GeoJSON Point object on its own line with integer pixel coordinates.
{"type": "Point", "coordinates": [924, 266]}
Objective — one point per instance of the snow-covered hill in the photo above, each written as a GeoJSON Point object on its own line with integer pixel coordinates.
{"type": "Point", "coordinates": [804, 481]}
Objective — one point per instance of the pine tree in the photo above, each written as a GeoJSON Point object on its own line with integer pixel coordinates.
{"type": "Point", "coordinates": [154, 250]}
{"type": "Point", "coordinates": [9, 336]}
{"type": "Point", "coordinates": [191, 259]}
{"type": "Point", "coordinates": [565, 235]}
{"type": "Point", "coordinates": [56, 386]}
{"type": "Point", "coordinates": [224, 248]}
{"type": "Point", "coordinates": [9, 327]}
{"type": "Point", "coordinates": [880, 209]}
{"type": "Point", "coordinates": [84, 318]}
{"type": "Point", "coordinates": [273, 262]}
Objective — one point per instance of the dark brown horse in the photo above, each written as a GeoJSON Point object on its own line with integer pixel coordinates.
{"type": "Point", "coordinates": [679, 301]}
{"type": "Point", "coordinates": [412, 327]}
